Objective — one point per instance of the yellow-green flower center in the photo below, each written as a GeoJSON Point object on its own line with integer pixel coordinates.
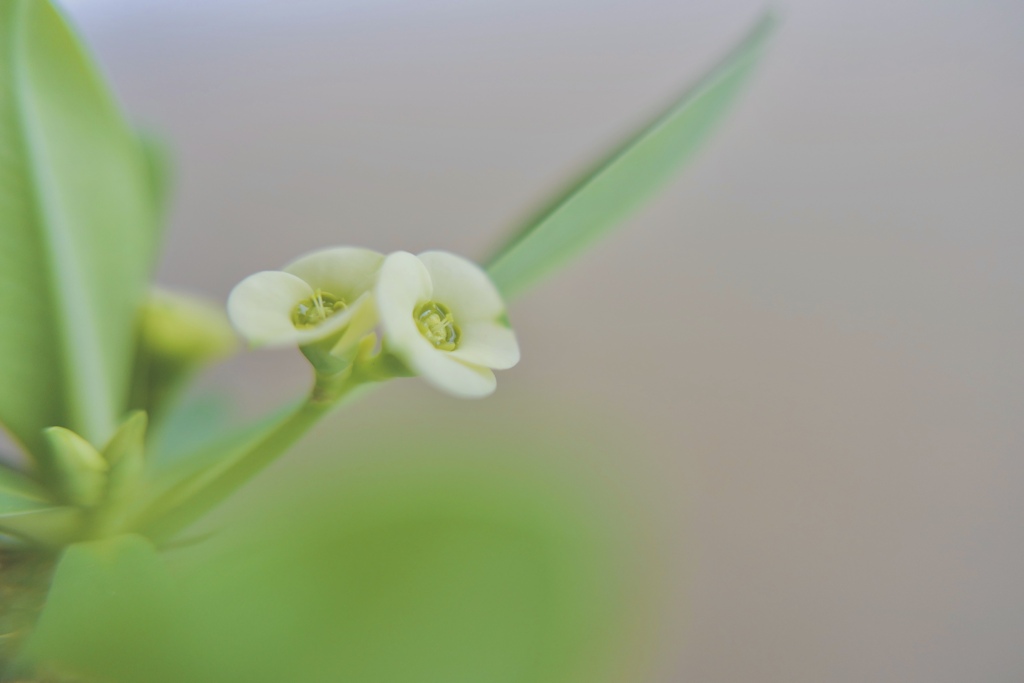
{"type": "Point", "coordinates": [316, 309]}
{"type": "Point", "coordinates": [437, 325]}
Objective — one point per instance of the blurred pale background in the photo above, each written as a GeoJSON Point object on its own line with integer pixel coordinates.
{"type": "Point", "coordinates": [812, 340]}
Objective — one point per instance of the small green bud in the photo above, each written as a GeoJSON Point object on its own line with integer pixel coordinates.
{"type": "Point", "coordinates": [176, 326]}
{"type": "Point", "coordinates": [74, 467]}
{"type": "Point", "coordinates": [178, 335]}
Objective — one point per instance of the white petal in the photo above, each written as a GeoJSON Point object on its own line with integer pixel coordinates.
{"type": "Point", "coordinates": [403, 283]}
{"type": "Point", "coordinates": [345, 272]}
{"type": "Point", "coordinates": [463, 287]}
{"type": "Point", "coordinates": [489, 344]}
{"type": "Point", "coordinates": [260, 307]}
{"type": "Point", "coordinates": [441, 369]}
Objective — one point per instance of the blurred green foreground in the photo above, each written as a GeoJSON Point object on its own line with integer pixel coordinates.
{"type": "Point", "coordinates": [420, 560]}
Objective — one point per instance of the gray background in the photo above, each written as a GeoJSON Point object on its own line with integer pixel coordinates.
{"type": "Point", "coordinates": [813, 338]}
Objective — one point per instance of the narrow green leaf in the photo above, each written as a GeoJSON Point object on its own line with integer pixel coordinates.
{"type": "Point", "coordinates": [27, 512]}
{"type": "Point", "coordinates": [14, 502]}
{"type": "Point", "coordinates": [160, 167]}
{"type": "Point", "coordinates": [76, 206]}
{"type": "Point", "coordinates": [48, 525]}
{"type": "Point", "coordinates": [618, 184]}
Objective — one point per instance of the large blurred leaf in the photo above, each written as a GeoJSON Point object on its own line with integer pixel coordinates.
{"type": "Point", "coordinates": [76, 232]}
{"type": "Point", "coordinates": [106, 613]}
{"type": "Point", "coordinates": [418, 568]}
{"type": "Point", "coordinates": [619, 183]}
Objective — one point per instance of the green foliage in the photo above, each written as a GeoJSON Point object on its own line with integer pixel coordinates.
{"type": "Point", "coordinates": [422, 569]}
{"type": "Point", "coordinates": [188, 427]}
{"type": "Point", "coordinates": [427, 574]}
{"type": "Point", "coordinates": [182, 486]}
{"type": "Point", "coordinates": [106, 611]}
{"type": "Point", "coordinates": [618, 184]}
{"type": "Point", "coordinates": [77, 211]}
{"type": "Point", "coordinates": [125, 455]}
{"type": "Point", "coordinates": [48, 524]}
{"type": "Point", "coordinates": [14, 483]}
{"type": "Point", "coordinates": [87, 491]}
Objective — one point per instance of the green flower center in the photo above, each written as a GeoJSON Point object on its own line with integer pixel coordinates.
{"type": "Point", "coordinates": [316, 309]}
{"type": "Point", "coordinates": [437, 325]}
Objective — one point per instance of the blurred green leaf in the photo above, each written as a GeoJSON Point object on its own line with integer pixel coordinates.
{"type": "Point", "coordinates": [27, 511]}
{"type": "Point", "coordinates": [424, 570]}
{"type": "Point", "coordinates": [106, 611]}
{"type": "Point", "coordinates": [188, 427]}
{"type": "Point", "coordinates": [619, 183]}
{"type": "Point", "coordinates": [44, 524]}
{"type": "Point", "coordinates": [77, 240]}
{"type": "Point", "coordinates": [14, 482]}
{"type": "Point", "coordinates": [15, 502]}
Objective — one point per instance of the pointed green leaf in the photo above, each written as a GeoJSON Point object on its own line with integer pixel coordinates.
{"type": "Point", "coordinates": [125, 454]}
{"type": "Point", "coordinates": [76, 245]}
{"type": "Point", "coordinates": [48, 525]}
{"type": "Point", "coordinates": [618, 184]}
{"type": "Point", "coordinates": [74, 467]}
{"type": "Point", "coordinates": [16, 503]}
{"type": "Point", "coordinates": [27, 513]}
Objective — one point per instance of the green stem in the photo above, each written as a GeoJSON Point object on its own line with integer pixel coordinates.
{"type": "Point", "coordinates": [327, 392]}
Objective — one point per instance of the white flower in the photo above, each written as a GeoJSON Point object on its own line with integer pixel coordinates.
{"type": "Point", "coordinates": [324, 294]}
{"type": "Point", "coordinates": [444, 318]}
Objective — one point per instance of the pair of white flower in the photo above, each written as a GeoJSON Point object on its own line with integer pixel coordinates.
{"type": "Point", "coordinates": [439, 314]}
